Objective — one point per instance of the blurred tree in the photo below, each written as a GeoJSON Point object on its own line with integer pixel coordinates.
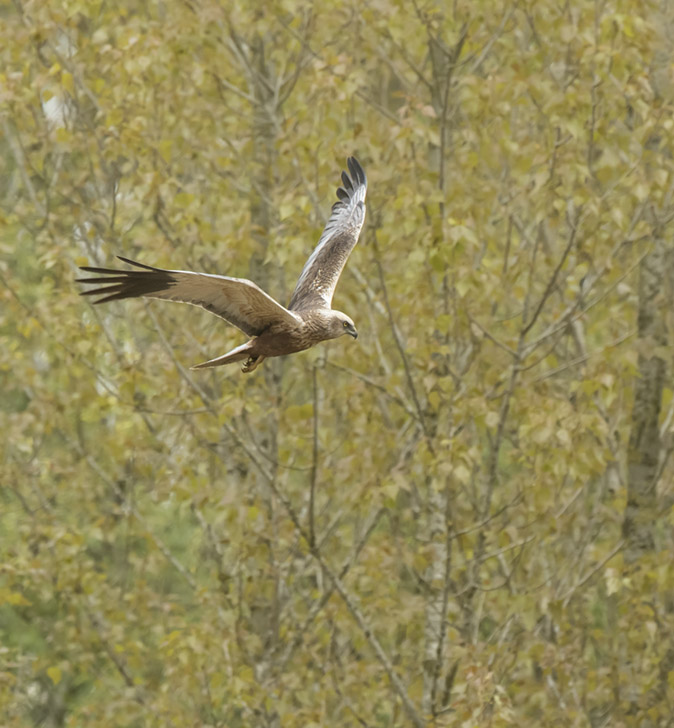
{"type": "Point", "coordinates": [462, 520]}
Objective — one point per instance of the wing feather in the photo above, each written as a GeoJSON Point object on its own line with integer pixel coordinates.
{"type": "Point", "coordinates": [317, 282]}
{"type": "Point", "coordinates": [239, 301]}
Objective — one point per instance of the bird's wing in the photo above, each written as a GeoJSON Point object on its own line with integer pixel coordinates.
{"type": "Point", "coordinates": [321, 272]}
{"type": "Point", "coordinates": [236, 300]}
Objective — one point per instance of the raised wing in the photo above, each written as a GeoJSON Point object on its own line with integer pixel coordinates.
{"type": "Point", "coordinates": [237, 300]}
{"type": "Point", "coordinates": [317, 282]}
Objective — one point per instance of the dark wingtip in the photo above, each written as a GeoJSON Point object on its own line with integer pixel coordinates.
{"type": "Point", "coordinates": [105, 299]}
{"type": "Point", "coordinates": [352, 181]}
{"type": "Point", "coordinates": [346, 181]}
{"type": "Point", "coordinates": [116, 284]}
{"type": "Point", "coordinates": [356, 170]}
{"type": "Point", "coordinates": [136, 263]}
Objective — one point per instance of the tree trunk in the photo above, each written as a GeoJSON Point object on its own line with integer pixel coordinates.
{"type": "Point", "coordinates": [644, 444]}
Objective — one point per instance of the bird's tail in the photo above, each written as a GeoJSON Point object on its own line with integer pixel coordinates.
{"type": "Point", "coordinates": [238, 354]}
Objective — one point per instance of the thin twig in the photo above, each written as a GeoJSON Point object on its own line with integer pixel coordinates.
{"type": "Point", "coordinates": [553, 279]}
{"type": "Point", "coordinates": [110, 482]}
{"type": "Point", "coordinates": [318, 605]}
{"type": "Point", "coordinates": [583, 580]}
{"type": "Point", "coordinates": [314, 464]}
{"type": "Point", "coordinates": [398, 340]}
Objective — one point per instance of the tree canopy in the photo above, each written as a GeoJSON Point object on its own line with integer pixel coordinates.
{"type": "Point", "coordinates": [463, 519]}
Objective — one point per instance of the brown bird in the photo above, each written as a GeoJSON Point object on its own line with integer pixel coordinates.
{"type": "Point", "coordinates": [274, 330]}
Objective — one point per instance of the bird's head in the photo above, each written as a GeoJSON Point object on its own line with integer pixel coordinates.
{"type": "Point", "coordinates": [341, 324]}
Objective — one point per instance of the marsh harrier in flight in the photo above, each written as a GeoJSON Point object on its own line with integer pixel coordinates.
{"type": "Point", "coordinates": [273, 329]}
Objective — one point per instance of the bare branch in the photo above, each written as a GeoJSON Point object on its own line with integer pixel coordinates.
{"type": "Point", "coordinates": [20, 159]}
{"type": "Point", "coordinates": [314, 463]}
{"type": "Point", "coordinates": [114, 486]}
{"type": "Point", "coordinates": [584, 579]}
{"type": "Point", "coordinates": [397, 338]}
{"type": "Point", "coordinates": [553, 279]}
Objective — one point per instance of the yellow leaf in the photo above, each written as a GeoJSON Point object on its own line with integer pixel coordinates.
{"type": "Point", "coordinates": [286, 211]}
{"type": "Point", "coordinates": [612, 581]}
{"type": "Point", "coordinates": [390, 489]}
{"type": "Point", "coordinates": [183, 199]}
{"type": "Point", "coordinates": [165, 149]}
{"type": "Point", "coordinates": [462, 287]}
{"type": "Point", "coordinates": [641, 191]}
{"type": "Point", "coordinates": [564, 437]}
{"type": "Point", "coordinates": [297, 412]}
{"type": "Point", "coordinates": [63, 136]}
{"type": "Point", "coordinates": [568, 33]}
{"type": "Point", "coordinates": [492, 418]}
{"type": "Point", "coordinates": [462, 474]}
{"type": "Point", "coordinates": [54, 674]}
{"type": "Point", "coordinates": [67, 82]}
{"type": "Point", "coordinates": [11, 597]}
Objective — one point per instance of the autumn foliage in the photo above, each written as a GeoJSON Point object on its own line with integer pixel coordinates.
{"type": "Point", "coordinates": [461, 519]}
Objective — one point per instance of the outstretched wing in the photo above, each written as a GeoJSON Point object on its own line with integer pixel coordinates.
{"type": "Point", "coordinates": [236, 300]}
{"type": "Point", "coordinates": [321, 272]}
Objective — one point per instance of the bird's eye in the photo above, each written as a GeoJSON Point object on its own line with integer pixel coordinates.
{"type": "Point", "coordinates": [346, 324]}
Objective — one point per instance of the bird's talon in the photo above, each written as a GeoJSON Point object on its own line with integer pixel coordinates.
{"type": "Point", "coordinates": [249, 364]}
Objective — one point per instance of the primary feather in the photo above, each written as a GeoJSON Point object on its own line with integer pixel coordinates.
{"type": "Point", "coordinates": [239, 301]}
{"type": "Point", "coordinates": [318, 279]}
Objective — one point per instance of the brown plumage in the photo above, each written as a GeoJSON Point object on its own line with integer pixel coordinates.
{"type": "Point", "coordinates": [274, 330]}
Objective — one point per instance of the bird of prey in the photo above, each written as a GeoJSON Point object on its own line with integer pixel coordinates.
{"type": "Point", "coordinates": [273, 329]}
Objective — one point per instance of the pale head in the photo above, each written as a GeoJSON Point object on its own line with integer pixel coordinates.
{"type": "Point", "coordinates": [340, 324]}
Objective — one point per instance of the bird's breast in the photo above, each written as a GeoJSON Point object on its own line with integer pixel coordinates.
{"type": "Point", "coordinates": [282, 339]}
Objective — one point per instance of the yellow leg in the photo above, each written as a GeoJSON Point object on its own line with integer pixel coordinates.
{"type": "Point", "coordinates": [253, 362]}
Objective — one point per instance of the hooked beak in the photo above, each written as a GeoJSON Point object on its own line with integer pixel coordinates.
{"type": "Point", "coordinates": [353, 332]}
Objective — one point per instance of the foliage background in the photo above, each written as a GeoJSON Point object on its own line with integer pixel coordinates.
{"type": "Point", "coordinates": [465, 518]}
